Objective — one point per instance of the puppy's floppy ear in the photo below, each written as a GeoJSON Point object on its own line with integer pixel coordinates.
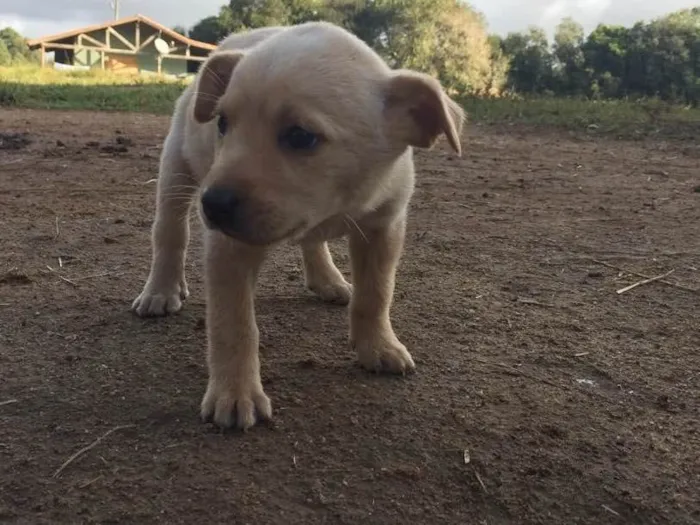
{"type": "Point", "coordinates": [418, 111]}
{"type": "Point", "coordinates": [212, 83]}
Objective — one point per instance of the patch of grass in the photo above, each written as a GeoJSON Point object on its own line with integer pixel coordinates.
{"type": "Point", "coordinates": [46, 88]}
{"type": "Point", "coordinates": [624, 118]}
{"type": "Point", "coordinates": [145, 98]}
{"type": "Point", "coordinates": [35, 75]}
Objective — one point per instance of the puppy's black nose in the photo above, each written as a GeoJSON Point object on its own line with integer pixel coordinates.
{"type": "Point", "coordinates": [219, 206]}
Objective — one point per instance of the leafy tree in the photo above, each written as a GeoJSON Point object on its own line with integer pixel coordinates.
{"type": "Point", "coordinates": [569, 59]}
{"type": "Point", "coordinates": [531, 69]}
{"type": "Point", "coordinates": [248, 14]}
{"type": "Point", "coordinates": [605, 55]}
{"type": "Point", "coordinates": [464, 56]}
{"type": "Point", "coordinates": [5, 56]}
{"type": "Point", "coordinates": [16, 45]}
{"type": "Point", "coordinates": [448, 39]}
{"type": "Point", "coordinates": [370, 20]}
{"type": "Point", "coordinates": [209, 29]}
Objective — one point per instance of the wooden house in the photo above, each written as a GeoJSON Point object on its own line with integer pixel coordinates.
{"type": "Point", "coordinates": [133, 44]}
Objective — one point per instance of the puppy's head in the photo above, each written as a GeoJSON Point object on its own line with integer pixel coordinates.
{"type": "Point", "coordinates": [309, 123]}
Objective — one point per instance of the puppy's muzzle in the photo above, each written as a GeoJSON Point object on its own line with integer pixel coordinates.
{"type": "Point", "coordinates": [221, 208]}
{"type": "Point", "coordinates": [243, 218]}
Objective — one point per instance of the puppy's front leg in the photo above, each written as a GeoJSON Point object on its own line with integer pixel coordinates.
{"type": "Point", "coordinates": [234, 396]}
{"type": "Point", "coordinates": [375, 255]}
{"type": "Point", "coordinates": [166, 286]}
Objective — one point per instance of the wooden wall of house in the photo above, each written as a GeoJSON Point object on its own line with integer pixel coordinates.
{"type": "Point", "coordinates": [145, 61]}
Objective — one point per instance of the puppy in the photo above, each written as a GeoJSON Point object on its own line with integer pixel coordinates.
{"type": "Point", "coordinates": [293, 134]}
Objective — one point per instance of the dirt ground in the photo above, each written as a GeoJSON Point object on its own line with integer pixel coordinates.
{"type": "Point", "coordinates": [541, 396]}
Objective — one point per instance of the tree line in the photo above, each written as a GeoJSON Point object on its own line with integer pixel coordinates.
{"type": "Point", "coordinates": [448, 38]}
{"type": "Point", "coordinates": [660, 58]}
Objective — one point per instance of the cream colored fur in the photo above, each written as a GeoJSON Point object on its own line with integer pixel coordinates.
{"type": "Point", "coordinates": [357, 182]}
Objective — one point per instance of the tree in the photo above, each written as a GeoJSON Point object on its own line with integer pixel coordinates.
{"type": "Point", "coordinates": [180, 30]}
{"type": "Point", "coordinates": [570, 70]}
{"type": "Point", "coordinates": [5, 56]}
{"type": "Point", "coordinates": [442, 37]}
{"type": "Point", "coordinates": [605, 55]}
{"type": "Point", "coordinates": [209, 29]}
{"type": "Point", "coordinates": [16, 45]}
{"type": "Point", "coordinates": [531, 69]}
{"type": "Point", "coordinates": [370, 20]}
{"type": "Point", "coordinates": [463, 56]}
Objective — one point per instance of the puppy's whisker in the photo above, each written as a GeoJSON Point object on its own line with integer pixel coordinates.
{"type": "Point", "coordinates": [184, 174]}
{"type": "Point", "coordinates": [206, 96]}
{"type": "Point", "coordinates": [215, 76]}
{"type": "Point", "coordinates": [177, 199]}
{"type": "Point", "coordinates": [187, 186]}
{"type": "Point", "coordinates": [184, 186]}
{"type": "Point", "coordinates": [183, 218]}
{"type": "Point", "coordinates": [357, 226]}
{"type": "Point", "coordinates": [180, 203]}
{"type": "Point", "coordinates": [179, 192]}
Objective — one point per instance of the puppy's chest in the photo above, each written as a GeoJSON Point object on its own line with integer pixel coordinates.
{"type": "Point", "coordinates": [329, 229]}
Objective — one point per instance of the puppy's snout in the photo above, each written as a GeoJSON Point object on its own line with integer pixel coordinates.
{"type": "Point", "coordinates": [220, 206]}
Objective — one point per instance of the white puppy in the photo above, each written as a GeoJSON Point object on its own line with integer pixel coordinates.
{"type": "Point", "coordinates": [297, 134]}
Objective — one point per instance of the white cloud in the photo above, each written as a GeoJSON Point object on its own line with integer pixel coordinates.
{"type": "Point", "coordinates": [553, 13]}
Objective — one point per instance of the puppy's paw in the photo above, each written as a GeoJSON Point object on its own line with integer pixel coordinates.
{"type": "Point", "coordinates": [384, 355]}
{"type": "Point", "coordinates": [158, 301]}
{"type": "Point", "coordinates": [235, 406]}
{"type": "Point", "coordinates": [336, 292]}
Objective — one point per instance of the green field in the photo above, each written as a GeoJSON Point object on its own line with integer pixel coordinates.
{"type": "Point", "coordinates": [32, 87]}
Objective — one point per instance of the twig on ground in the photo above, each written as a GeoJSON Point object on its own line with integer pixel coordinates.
{"type": "Point", "coordinates": [8, 402]}
{"type": "Point", "coordinates": [478, 478]}
{"type": "Point", "coordinates": [611, 511]}
{"type": "Point", "coordinates": [58, 229]}
{"type": "Point", "coordinates": [88, 448]}
{"type": "Point", "coordinates": [645, 281]}
{"type": "Point", "coordinates": [643, 276]}
{"type": "Point", "coordinates": [95, 275]}
{"type": "Point", "coordinates": [90, 482]}
{"type": "Point", "coordinates": [525, 300]}
{"type": "Point", "coordinates": [66, 279]}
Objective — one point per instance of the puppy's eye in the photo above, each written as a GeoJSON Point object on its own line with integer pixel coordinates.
{"type": "Point", "coordinates": [222, 124]}
{"type": "Point", "coordinates": [297, 138]}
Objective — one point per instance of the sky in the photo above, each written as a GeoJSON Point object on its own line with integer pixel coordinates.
{"type": "Point", "coordinates": [35, 18]}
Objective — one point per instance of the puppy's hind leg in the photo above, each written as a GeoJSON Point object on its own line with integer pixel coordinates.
{"type": "Point", "coordinates": [322, 276]}
{"type": "Point", "coordinates": [375, 256]}
{"type": "Point", "coordinates": [166, 286]}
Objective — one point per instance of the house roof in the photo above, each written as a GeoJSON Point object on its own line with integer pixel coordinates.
{"type": "Point", "coordinates": [128, 20]}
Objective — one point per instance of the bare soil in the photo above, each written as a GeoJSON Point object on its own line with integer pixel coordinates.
{"type": "Point", "coordinates": [541, 396]}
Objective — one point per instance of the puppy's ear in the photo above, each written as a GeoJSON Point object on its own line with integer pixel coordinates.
{"type": "Point", "coordinates": [212, 83]}
{"type": "Point", "coordinates": [419, 111]}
